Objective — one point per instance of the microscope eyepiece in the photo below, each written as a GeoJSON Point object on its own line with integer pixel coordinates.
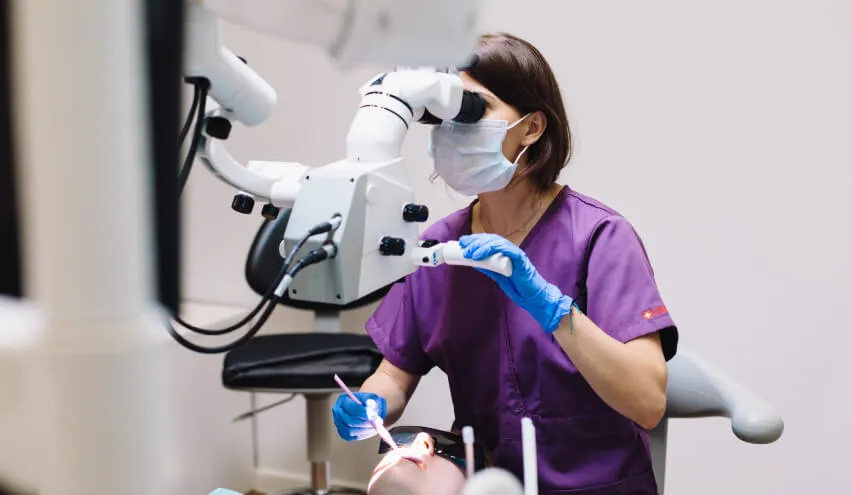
{"type": "Point", "coordinates": [472, 110]}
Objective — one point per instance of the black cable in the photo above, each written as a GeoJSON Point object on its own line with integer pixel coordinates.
{"type": "Point", "coordinates": [266, 297]}
{"type": "Point", "coordinates": [321, 228]}
{"type": "Point", "coordinates": [247, 318]}
{"type": "Point", "coordinates": [190, 116]}
{"type": "Point", "coordinates": [227, 347]}
{"type": "Point", "coordinates": [315, 256]}
{"type": "Point", "coordinates": [203, 86]}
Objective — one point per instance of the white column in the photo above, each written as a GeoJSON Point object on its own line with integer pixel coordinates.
{"type": "Point", "coordinates": [98, 370]}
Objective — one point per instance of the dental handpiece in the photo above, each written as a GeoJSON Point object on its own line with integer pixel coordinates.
{"type": "Point", "coordinates": [451, 253]}
{"type": "Point", "coordinates": [372, 416]}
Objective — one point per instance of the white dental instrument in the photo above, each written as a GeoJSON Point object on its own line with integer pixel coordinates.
{"type": "Point", "coordinates": [375, 420]}
{"type": "Point", "coordinates": [451, 253]}
{"type": "Point", "coordinates": [467, 437]}
{"type": "Point", "coordinates": [530, 459]}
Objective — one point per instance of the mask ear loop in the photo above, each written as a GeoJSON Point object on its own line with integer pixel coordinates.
{"type": "Point", "coordinates": [518, 121]}
{"type": "Point", "coordinates": [524, 150]}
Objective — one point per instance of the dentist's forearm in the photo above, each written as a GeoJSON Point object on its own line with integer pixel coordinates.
{"type": "Point", "coordinates": [630, 377]}
{"type": "Point", "coordinates": [395, 386]}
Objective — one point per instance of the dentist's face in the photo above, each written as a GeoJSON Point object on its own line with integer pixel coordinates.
{"type": "Point", "coordinates": [497, 109]}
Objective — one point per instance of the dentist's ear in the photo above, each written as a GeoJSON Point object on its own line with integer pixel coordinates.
{"type": "Point", "coordinates": [535, 125]}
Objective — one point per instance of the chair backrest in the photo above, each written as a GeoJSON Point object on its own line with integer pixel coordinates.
{"type": "Point", "coordinates": [264, 262]}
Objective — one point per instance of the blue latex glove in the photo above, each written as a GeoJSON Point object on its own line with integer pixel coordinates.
{"type": "Point", "coordinates": [526, 287]}
{"type": "Point", "coordinates": [350, 418]}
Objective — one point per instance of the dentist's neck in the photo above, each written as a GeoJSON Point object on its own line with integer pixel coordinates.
{"type": "Point", "coordinates": [505, 211]}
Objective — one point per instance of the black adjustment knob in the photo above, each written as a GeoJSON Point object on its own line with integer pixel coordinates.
{"type": "Point", "coordinates": [392, 246]}
{"type": "Point", "coordinates": [429, 243]}
{"type": "Point", "coordinates": [415, 213]}
{"type": "Point", "coordinates": [242, 203]}
{"type": "Point", "coordinates": [270, 212]}
{"type": "Point", "coordinates": [217, 127]}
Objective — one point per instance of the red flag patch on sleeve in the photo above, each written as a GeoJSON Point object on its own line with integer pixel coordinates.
{"type": "Point", "coordinates": [652, 313]}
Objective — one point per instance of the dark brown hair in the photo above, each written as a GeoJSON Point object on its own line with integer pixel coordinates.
{"type": "Point", "coordinates": [517, 73]}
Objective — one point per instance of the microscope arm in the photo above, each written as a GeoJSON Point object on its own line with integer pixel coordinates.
{"type": "Point", "coordinates": [276, 183]}
{"type": "Point", "coordinates": [696, 389]}
{"type": "Point", "coordinates": [222, 164]}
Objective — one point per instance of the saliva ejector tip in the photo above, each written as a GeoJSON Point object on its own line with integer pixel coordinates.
{"type": "Point", "coordinates": [467, 434]}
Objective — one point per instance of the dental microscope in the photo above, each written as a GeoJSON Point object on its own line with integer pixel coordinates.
{"type": "Point", "coordinates": [368, 191]}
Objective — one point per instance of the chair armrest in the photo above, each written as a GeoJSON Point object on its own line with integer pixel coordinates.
{"type": "Point", "coordinates": [697, 389]}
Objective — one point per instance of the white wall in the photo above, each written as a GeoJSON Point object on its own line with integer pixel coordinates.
{"type": "Point", "coordinates": [720, 129]}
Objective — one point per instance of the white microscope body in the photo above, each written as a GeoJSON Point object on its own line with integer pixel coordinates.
{"type": "Point", "coordinates": [370, 190]}
{"type": "Point", "coordinates": [377, 242]}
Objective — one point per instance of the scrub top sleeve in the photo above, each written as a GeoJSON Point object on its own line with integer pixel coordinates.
{"type": "Point", "coordinates": [394, 329]}
{"type": "Point", "coordinates": [623, 297]}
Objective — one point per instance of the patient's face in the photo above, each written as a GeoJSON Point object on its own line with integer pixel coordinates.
{"type": "Point", "coordinates": [414, 470]}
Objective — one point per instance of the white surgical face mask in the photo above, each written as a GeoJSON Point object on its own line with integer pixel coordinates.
{"type": "Point", "coordinates": [469, 157]}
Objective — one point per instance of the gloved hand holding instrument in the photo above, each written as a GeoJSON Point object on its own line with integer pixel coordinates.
{"type": "Point", "coordinates": [360, 415]}
{"type": "Point", "coordinates": [525, 286]}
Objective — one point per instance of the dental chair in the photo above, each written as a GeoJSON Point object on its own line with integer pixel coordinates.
{"type": "Point", "coordinates": [301, 363]}
{"type": "Point", "coordinates": [698, 390]}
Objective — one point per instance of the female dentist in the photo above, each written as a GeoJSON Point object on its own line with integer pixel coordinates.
{"type": "Point", "coordinates": [577, 338]}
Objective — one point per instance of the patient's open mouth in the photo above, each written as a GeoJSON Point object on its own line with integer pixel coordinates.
{"type": "Point", "coordinates": [415, 460]}
{"type": "Point", "coordinates": [384, 466]}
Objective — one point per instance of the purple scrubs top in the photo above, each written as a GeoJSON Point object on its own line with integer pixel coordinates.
{"type": "Point", "coordinates": [502, 366]}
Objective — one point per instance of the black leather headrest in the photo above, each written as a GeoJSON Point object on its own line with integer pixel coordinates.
{"type": "Point", "coordinates": [264, 262]}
